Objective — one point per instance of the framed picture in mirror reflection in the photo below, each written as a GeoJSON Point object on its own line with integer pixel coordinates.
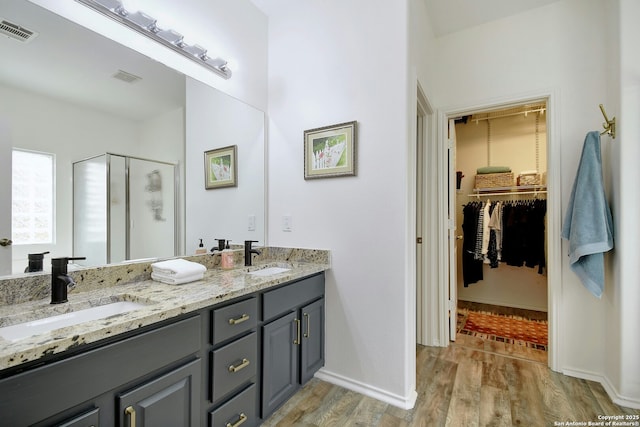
{"type": "Point", "coordinates": [221, 167]}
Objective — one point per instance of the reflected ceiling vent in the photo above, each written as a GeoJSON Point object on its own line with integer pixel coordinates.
{"type": "Point", "coordinates": [126, 77]}
{"type": "Point", "coordinates": [16, 32]}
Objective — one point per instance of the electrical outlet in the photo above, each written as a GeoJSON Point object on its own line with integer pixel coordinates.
{"type": "Point", "coordinates": [287, 224]}
{"type": "Point", "coordinates": [252, 223]}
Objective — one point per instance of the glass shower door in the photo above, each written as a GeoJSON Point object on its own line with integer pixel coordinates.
{"type": "Point", "coordinates": [152, 216]}
{"type": "Point", "coordinates": [90, 210]}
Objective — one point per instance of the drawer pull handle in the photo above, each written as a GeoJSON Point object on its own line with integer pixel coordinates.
{"type": "Point", "coordinates": [297, 340]}
{"type": "Point", "coordinates": [131, 414]}
{"type": "Point", "coordinates": [240, 319]}
{"type": "Point", "coordinates": [242, 419]}
{"type": "Point", "coordinates": [244, 364]}
{"type": "Point", "coordinates": [308, 333]}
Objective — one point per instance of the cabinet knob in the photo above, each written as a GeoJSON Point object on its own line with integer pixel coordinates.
{"type": "Point", "coordinates": [236, 368]}
{"type": "Point", "coordinates": [308, 333]}
{"type": "Point", "coordinates": [297, 340]}
{"type": "Point", "coordinates": [240, 319]}
{"type": "Point", "coordinates": [6, 242]}
{"type": "Point", "coordinates": [131, 414]}
{"type": "Point", "coordinates": [242, 419]}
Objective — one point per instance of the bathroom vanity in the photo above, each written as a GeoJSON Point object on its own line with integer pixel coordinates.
{"type": "Point", "coordinates": [224, 351]}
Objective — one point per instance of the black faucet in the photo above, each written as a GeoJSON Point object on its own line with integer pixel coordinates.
{"type": "Point", "coordinates": [220, 248]}
{"type": "Point", "coordinates": [248, 251]}
{"type": "Point", "coordinates": [35, 262]}
{"type": "Point", "coordinates": [60, 280]}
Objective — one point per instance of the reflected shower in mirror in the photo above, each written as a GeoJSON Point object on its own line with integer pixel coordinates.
{"type": "Point", "coordinates": [76, 94]}
{"type": "Point", "coordinates": [111, 191]}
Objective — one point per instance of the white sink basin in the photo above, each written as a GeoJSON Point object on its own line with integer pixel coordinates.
{"type": "Point", "coordinates": [269, 271]}
{"type": "Point", "coordinates": [23, 330]}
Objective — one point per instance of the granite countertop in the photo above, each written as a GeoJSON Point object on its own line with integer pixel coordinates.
{"type": "Point", "coordinates": [161, 302]}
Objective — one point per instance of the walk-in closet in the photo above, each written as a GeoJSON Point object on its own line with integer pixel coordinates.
{"type": "Point", "coordinates": [501, 169]}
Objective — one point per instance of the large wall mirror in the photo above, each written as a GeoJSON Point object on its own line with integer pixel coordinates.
{"type": "Point", "coordinates": [77, 95]}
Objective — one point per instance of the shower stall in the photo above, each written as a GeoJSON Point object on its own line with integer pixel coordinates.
{"type": "Point", "coordinates": [124, 208]}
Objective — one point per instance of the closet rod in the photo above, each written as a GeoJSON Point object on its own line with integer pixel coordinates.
{"type": "Point", "coordinates": [511, 193]}
{"type": "Point", "coordinates": [537, 110]}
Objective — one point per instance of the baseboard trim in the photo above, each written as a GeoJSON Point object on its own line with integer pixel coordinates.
{"type": "Point", "coordinates": [616, 397]}
{"type": "Point", "coordinates": [401, 402]}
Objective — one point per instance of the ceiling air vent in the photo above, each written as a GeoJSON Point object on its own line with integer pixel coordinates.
{"type": "Point", "coordinates": [16, 32]}
{"type": "Point", "coordinates": [126, 77]}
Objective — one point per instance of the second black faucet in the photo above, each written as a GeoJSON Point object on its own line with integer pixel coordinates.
{"type": "Point", "coordinates": [60, 280]}
{"type": "Point", "coordinates": [248, 251]}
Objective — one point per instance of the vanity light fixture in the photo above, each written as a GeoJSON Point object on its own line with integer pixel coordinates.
{"type": "Point", "coordinates": [146, 25]}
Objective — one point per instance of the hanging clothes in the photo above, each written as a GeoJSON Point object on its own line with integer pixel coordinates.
{"type": "Point", "coordinates": [495, 236]}
{"type": "Point", "coordinates": [511, 231]}
{"type": "Point", "coordinates": [524, 234]}
{"type": "Point", "coordinates": [471, 264]}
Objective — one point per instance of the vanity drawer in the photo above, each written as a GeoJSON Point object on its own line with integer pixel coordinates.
{"type": "Point", "coordinates": [233, 365]}
{"type": "Point", "coordinates": [241, 407]}
{"type": "Point", "coordinates": [289, 297]}
{"type": "Point", "coordinates": [234, 319]}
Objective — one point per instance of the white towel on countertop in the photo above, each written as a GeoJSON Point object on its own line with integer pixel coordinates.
{"type": "Point", "coordinates": [172, 280]}
{"type": "Point", "coordinates": [178, 268]}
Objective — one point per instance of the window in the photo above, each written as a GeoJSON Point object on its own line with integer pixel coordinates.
{"type": "Point", "coordinates": [32, 210]}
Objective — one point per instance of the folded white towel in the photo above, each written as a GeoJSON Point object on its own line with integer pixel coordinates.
{"type": "Point", "coordinates": [172, 280]}
{"type": "Point", "coordinates": [177, 268]}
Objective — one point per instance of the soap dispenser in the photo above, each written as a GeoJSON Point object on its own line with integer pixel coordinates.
{"type": "Point", "coordinates": [227, 258]}
{"type": "Point", "coordinates": [201, 249]}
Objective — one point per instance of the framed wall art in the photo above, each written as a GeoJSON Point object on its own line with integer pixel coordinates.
{"type": "Point", "coordinates": [221, 167]}
{"type": "Point", "coordinates": [330, 151]}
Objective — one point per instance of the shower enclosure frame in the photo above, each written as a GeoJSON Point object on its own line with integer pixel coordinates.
{"type": "Point", "coordinates": [127, 159]}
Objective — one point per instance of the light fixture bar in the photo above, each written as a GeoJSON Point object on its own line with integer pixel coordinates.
{"type": "Point", "coordinates": [146, 25]}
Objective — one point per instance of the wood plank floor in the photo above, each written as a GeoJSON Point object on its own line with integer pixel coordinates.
{"type": "Point", "coordinates": [458, 386]}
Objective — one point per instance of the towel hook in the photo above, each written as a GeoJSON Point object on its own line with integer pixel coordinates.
{"type": "Point", "coordinates": [609, 125]}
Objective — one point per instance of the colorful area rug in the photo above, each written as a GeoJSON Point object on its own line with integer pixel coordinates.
{"type": "Point", "coordinates": [507, 329]}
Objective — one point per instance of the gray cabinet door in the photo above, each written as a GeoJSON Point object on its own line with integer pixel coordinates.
{"type": "Point", "coordinates": [168, 401]}
{"type": "Point", "coordinates": [280, 361]}
{"type": "Point", "coordinates": [312, 340]}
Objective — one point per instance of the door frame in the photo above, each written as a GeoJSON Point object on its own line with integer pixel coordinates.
{"type": "Point", "coordinates": [6, 257]}
{"type": "Point", "coordinates": [439, 198]}
{"type": "Point", "coordinates": [426, 292]}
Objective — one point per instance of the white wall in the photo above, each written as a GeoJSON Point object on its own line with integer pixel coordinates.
{"type": "Point", "coordinates": [332, 62]}
{"type": "Point", "coordinates": [232, 29]}
{"type": "Point", "coordinates": [623, 317]}
{"type": "Point", "coordinates": [71, 132]}
{"type": "Point", "coordinates": [215, 120]}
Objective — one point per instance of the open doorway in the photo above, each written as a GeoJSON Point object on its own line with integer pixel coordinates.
{"type": "Point", "coordinates": [500, 202]}
{"type": "Point", "coordinates": [500, 209]}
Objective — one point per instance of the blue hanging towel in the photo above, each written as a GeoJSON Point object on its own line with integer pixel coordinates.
{"type": "Point", "coordinates": [588, 224]}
